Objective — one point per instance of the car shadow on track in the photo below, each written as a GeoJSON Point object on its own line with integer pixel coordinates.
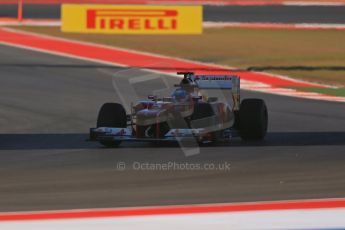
{"type": "Point", "coordinates": [44, 141]}
{"type": "Point", "coordinates": [79, 141]}
{"type": "Point", "coordinates": [299, 139]}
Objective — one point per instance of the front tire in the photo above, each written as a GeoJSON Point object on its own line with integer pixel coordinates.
{"type": "Point", "coordinates": [112, 115]}
{"type": "Point", "coordinates": [253, 119]}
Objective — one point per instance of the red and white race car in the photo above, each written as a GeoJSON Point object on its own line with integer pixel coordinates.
{"type": "Point", "coordinates": [203, 108]}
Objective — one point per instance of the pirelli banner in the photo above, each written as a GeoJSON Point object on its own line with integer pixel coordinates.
{"type": "Point", "coordinates": [132, 19]}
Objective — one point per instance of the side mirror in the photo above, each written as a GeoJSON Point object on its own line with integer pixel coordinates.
{"type": "Point", "coordinates": [152, 97]}
{"type": "Point", "coordinates": [197, 98]}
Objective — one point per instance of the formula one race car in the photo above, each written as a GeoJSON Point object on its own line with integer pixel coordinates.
{"type": "Point", "coordinates": [203, 108]}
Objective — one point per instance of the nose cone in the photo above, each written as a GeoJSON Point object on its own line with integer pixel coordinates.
{"type": "Point", "coordinates": [151, 116]}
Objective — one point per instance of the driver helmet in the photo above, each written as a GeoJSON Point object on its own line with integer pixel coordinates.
{"type": "Point", "coordinates": [180, 95]}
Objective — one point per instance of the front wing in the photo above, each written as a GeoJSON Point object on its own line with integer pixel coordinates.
{"type": "Point", "coordinates": [127, 134]}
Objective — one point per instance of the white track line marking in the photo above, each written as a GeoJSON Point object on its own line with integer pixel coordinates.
{"type": "Point", "coordinates": [248, 85]}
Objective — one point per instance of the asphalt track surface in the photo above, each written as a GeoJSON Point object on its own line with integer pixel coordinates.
{"type": "Point", "coordinates": [278, 14]}
{"type": "Point", "coordinates": [48, 103]}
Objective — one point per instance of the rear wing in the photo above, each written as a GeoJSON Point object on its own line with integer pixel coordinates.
{"type": "Point", "coordinates": [216, 81]}
{"type": "Point", "coordinates": [231, 82]}
{"type": "Point", "coordinates": [228, 84]}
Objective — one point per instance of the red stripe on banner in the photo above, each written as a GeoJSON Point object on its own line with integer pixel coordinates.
{"type": "Point", "coordinates": [173, 210]}
{"type": "Point", "coordinates": [137, 59]}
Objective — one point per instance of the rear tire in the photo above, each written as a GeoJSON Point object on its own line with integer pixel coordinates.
{"type": "Point", "coordinates": [253, 119]}
{"type": "Point", "coordinates": [112, 115]}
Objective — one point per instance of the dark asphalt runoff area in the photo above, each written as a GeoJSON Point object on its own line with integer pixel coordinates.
{"type": "Point", "coordinates": [277, 14]}
{"type": "Point", "coordinates": [48, 103]}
